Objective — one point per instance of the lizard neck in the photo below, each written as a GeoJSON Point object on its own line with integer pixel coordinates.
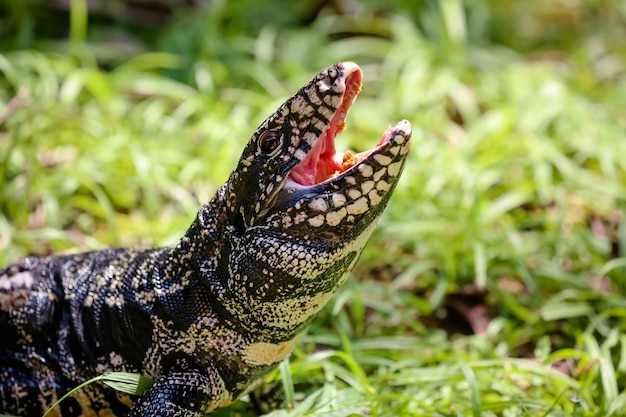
{"type": "Point", "coordinates": [187, 274]}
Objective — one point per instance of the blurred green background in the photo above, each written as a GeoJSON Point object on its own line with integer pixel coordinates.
{"type": "Point", "coordinates": [494, 285]}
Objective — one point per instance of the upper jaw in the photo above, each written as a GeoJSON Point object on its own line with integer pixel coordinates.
{"type": "Point", "coordinates": [322, 163]}
{"type": "Point", "coordinates": [335, 96]}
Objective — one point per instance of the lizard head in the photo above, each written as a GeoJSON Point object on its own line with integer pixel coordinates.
{"type": "Point", "coordinates": [300, 211]}
{"type": "Point", "coordinates": [290, 173]}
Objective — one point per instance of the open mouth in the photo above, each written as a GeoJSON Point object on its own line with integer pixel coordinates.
{"type": "Point", "coordinates": [323, 162]}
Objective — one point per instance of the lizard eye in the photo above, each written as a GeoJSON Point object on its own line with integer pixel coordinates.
{"type": "Point", "coordinates": [269, 142]}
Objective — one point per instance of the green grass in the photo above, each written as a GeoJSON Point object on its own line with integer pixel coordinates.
{"type": "Point", "coordinates": [514, 193]}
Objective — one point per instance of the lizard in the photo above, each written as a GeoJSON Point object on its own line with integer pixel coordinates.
{"type": "Point", "coordinates": [212, 314]}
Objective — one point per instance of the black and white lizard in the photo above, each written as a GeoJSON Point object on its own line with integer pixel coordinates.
{"type": "Point", "coordinates": [211, 315]}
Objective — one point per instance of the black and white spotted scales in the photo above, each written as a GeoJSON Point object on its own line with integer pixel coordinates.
{"type": "Point", "coordinates": [211, 315]}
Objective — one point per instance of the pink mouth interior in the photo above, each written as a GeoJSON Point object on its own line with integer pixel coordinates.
{"type": "Point", "coordinates": [323, 161]}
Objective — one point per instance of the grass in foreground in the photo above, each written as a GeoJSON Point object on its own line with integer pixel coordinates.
{"type": "Point", "coordinates": [494, 285]}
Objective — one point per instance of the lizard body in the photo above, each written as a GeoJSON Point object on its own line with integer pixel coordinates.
{"type": "Point", "coordinates": [216, 312]}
